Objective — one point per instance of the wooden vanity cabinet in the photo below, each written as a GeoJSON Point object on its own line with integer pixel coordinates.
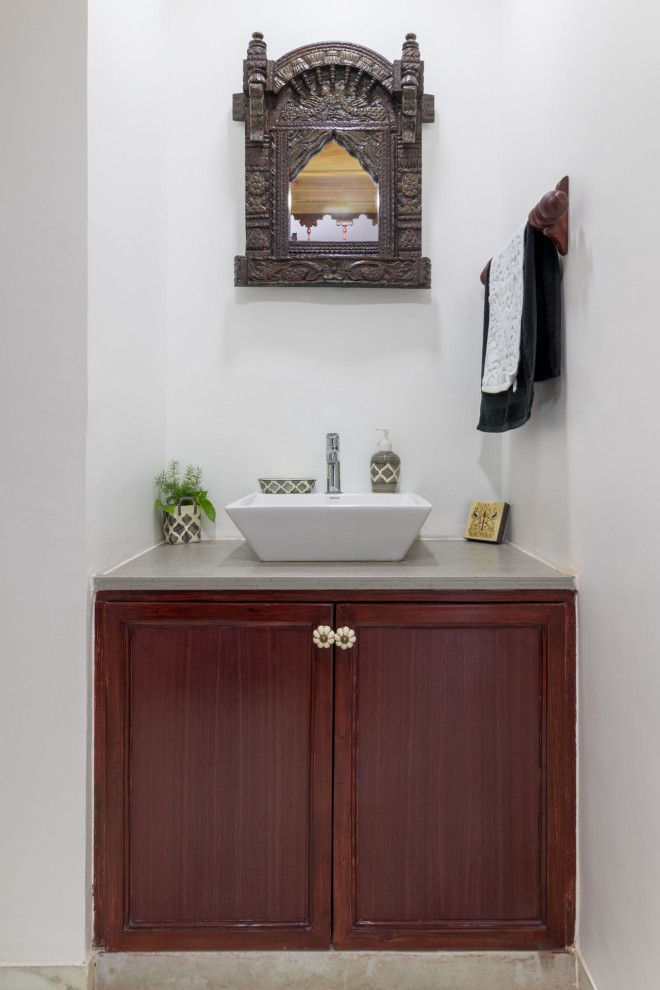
{"type": "Point", "coordinates": [255, 791]}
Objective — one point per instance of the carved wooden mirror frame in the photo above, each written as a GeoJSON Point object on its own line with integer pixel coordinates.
{"type": "Point", "coordinates": [374, 109]}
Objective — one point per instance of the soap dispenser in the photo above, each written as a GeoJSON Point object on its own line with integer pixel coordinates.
{"type": "Point", "coordinates": [385, 466]}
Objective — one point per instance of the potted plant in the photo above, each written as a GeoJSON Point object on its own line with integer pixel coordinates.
{"type": "Point", "coordinates": [182, 499]}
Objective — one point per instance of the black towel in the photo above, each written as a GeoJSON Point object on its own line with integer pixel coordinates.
{"type": "Point", "coordinates": [540, 338]}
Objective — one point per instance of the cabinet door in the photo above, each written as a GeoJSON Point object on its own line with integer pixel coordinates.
{"type": "Point", "coordinates": [454, 816]}
{"type": "Point", "coordinates": [214, 776]}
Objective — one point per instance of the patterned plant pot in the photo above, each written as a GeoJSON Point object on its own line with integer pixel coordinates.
{"type": "Point", "coordinates": [184, 523]}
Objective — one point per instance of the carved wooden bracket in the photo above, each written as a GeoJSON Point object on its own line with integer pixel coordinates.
{"type": "Point", "coordinates": [550, 216]}
{"type": "Point", "coordinates": [292, 107]}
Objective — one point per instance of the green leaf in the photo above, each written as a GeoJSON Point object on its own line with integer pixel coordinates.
{"type": "Point", "coordinates": [165, 508]}
{"type": "Point", "coordinates": [206, 506]}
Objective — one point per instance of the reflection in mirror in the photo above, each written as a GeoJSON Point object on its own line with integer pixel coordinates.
{"type": "Point", "coordinates": [333, 199]}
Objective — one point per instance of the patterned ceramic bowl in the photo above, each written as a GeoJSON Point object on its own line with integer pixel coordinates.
{"type": "Point", "coordinates": [287, 486]}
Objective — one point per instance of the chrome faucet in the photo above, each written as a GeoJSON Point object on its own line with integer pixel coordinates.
{"type": "Point", "coordinates": [333, 486]}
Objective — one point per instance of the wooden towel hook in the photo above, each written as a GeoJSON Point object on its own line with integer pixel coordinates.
{"type": "Point", "coordinates": [550, 216]}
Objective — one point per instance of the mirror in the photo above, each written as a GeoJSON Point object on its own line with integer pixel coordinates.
{"type": "Point", "coordinates": [333, 167]}
{"type": "Point", "coordinates": [333, 199]}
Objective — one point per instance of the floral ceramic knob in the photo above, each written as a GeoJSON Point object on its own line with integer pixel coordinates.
{"type": "Point", "coordinates": [344, 638]}
{"type": "Point", "coordinates": [323, 637]}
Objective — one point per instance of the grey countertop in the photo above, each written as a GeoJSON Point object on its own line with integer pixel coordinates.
{"type": "Point", "coordinates": [430, 565]}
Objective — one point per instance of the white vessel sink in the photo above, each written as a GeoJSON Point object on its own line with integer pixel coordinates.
{"type": "Point", "coordinates": [365, 526]}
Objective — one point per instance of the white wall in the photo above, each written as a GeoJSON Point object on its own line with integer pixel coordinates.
{"type": "Point", "coordinates": [43, 584]}
{"type": "Point", "coordinates": [246, 399]}
{"type": "Point", "coordinates": [127, 116]}
{"type": "Point", "coordinates": [582, 99]}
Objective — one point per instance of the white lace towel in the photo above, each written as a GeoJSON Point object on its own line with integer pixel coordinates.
{"type": "Point", "coordinates": [505, 302]}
